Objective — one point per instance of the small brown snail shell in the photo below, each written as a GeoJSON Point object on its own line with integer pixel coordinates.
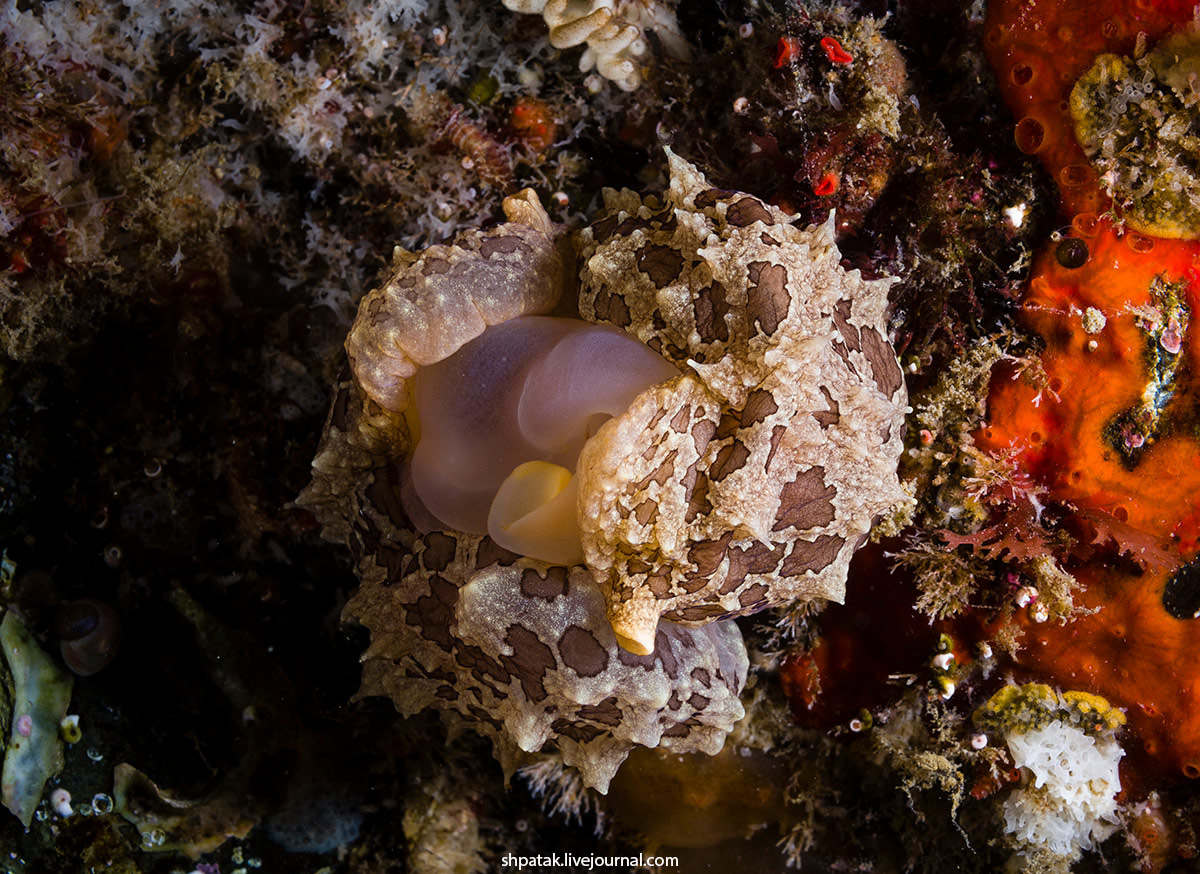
{"type": "Point", "coordinates": [89, 633]}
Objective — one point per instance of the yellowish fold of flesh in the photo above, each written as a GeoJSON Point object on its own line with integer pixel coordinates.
{"type": "Point", "coordinates": [534, 514]}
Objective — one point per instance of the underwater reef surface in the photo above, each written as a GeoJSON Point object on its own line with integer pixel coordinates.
{"type": "Point", "coordinates": [890, 564]}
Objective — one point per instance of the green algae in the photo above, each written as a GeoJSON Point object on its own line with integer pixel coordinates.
{"type": "Point", "coordinates": [1032, 706]}
{"type": "Point", "coordinates": [38, 693]}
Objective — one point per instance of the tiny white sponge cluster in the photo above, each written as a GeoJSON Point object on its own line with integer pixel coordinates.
{"type": "Point", "coordinates": [1067, 797]}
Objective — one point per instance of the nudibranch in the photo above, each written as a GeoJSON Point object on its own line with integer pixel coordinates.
{"type": "Point", "coordinates": [555, 518]}
{"type": "Point", "coordinates": [750, 479]}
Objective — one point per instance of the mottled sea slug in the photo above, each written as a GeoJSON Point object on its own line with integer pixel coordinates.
{"type": "Point", "coordinates": [554, 521]}
{"type": "Point", "coordinates": [752, 478]}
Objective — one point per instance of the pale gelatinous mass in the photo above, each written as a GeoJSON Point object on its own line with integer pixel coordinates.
{"type": "Point", "coordinates": [506, 416]}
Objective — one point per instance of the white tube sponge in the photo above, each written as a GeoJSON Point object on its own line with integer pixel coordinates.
{"type": "Point", "coordinates": [613, 31]}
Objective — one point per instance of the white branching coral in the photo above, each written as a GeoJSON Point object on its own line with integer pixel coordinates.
{"type": "Point", "coordinates": [614, 31]}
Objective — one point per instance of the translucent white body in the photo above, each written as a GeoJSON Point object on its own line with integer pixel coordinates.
{"type": "Point", "coordinates": [533, 389]}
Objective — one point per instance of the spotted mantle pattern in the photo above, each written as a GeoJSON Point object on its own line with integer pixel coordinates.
{"type": "Point", "coordinates": [519, 650]}
{"type": "Point", "coordinates": [747, 481]}
{"type": "Point", "coordinates": [522, 651]}
{"type": "Point", "coordinates": [752, 479]}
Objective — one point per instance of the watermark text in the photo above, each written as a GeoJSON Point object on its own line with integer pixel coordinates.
{"type": "Point", "coordinates": [585, 861]}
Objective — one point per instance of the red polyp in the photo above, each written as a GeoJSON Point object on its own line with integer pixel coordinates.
{"type": "Point", "coordinates": [788, 50]}
{"type": "Point", "coordinates": [835, 52]}
{"type": "Point", "coordinates": [827, 185]}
